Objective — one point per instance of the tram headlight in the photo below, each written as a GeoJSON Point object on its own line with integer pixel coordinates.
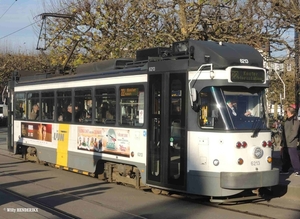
{"type": "Point", "coordinates": [258, 152]}
{"type": "Point", "coordinates": [244, 144]}
{"type": "Point", "coordinates": [269, 159]}
{"type": "Point", "coordinates": [240, 161]}
{"type": "Point", "coordinates": [216, 162]}
{"type": "Point", "coordinates": [264, 144]}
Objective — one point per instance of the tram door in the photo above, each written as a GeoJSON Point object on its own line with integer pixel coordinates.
{"type": "Point", "coordinates": [166, 162]}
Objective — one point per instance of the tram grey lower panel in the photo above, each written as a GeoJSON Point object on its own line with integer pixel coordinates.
{"type": "Point", "coordinates": [46, 154]}
{"type": "Point", "coordinates": [207, 183]}
{"type": "Point", "coordinates": [86, 162]}
{"type": "Point", "coordinates": [229, 183]}
{"type": "Point", "coordinates": [241, 180]}
{"type": "Point", "coordinates": [79, 161]}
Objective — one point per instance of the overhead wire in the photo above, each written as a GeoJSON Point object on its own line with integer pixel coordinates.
{"type": "Point", "coordinates": [18, 30]}
{"type": "Point", "coordinates": [25, 26]}
{"type": "Point", "coordinates": [8, 9]}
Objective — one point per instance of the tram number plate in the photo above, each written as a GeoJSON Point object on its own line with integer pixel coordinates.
{"type": "Point", "coordinates": [255, 163]}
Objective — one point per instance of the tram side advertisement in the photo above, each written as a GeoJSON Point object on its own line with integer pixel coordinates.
{"type": "Point", "coordinates": [104, 140]}
{"type": "Point", "coordinates": [37, 131]}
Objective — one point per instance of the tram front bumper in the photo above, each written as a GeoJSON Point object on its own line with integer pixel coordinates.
{"type": "Point", "coordinates": [249, 180]}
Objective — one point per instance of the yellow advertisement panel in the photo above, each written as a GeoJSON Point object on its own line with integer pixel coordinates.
{"type": "Point", "coordinates": [62, 146]}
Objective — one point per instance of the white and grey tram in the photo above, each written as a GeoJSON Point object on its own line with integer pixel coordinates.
{"type": "Point", "coordinates": [160, 120]}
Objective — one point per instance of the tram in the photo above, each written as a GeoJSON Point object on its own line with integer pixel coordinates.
{"type": "Point", "coordinates": [191, 118]}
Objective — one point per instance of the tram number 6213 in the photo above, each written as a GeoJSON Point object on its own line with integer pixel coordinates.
{"type": "Point", "coordinates": [255, 163]}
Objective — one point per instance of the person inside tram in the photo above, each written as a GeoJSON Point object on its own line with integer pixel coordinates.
{"type": "Point", "coordinates": [60, 117]}
{"type": "Point", "coordinates": [68, 114]}
{"type": "Point", "coordinates": [176, 110]}
{"type": "Point", "coordinates": [20, 112]}
{"type": "Point", "coordinates": [248, 113]}
{"type": "Point", "coordinates": [78, 114]}
{"type": "Point", "coordinates": [58, 114]}
{"type": "Point", "coordinates": [89, 110]}
{"type": "Point", "coordinates": [34, 112]}
{"type": "Point", "coordinates": [106, 115]}
{"type": "Point", "coordinates": [104, 108]}
{"type": "Point", "coordinates": [231, 108]}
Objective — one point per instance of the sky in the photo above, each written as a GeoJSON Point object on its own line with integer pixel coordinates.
{"type": "Point", "coordinates": [16, 32]}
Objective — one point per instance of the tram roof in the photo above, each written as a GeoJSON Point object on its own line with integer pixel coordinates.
{"type": "Point", "coordinates": [222, 55]}
{"type": "Point", "coordinates": [183, 55]}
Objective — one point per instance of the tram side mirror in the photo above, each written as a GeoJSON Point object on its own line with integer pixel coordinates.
{"type": "Point", "coordinates": [194, 96]}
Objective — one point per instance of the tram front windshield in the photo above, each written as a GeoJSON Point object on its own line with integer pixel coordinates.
{"type": "Point", "coordinates": [233, 108]}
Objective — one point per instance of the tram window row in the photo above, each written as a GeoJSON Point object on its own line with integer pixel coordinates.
{"type": "Point", "coordinates": [83, 105]}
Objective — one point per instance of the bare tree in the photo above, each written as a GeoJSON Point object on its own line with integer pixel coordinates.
{"type": "Point", "coordinates": [16, 62]}
{"type": "Point", "coordinates": [113, 28]}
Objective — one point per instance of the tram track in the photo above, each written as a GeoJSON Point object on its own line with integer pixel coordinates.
{"type": "Point", "coordinates": [54, 211]}
{"type": "Point", "coordinates": [242, 212]}
{"type": "Point", "coordinates": [254, 208]}
{"type": "Point", "coordinates": [247, 212]}
{"type": "Point", "coordinates": [61, 214]}
{"type": "Point", "coordinates": [260, 207]}
{"type": "Point", "coordinates": [278, 207]}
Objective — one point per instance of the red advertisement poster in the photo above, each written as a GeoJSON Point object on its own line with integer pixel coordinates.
{"type": "Point", "coordinates": [38, 131]}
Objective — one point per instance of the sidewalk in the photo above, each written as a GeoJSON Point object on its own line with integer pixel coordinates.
{"type": "Point", "coordinates": [289, 185]}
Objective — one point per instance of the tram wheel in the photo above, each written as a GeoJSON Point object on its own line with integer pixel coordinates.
{"type": "Point", "coordinates": [156, 191]}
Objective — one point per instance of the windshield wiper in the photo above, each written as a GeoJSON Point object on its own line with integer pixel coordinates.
{"type": "Point", "coordinates": [257, 128]}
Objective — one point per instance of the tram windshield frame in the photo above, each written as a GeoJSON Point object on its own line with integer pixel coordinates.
{"type": "Point", "coordinates": [233, 108]}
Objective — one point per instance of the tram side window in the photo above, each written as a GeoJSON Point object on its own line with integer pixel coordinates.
{"type": "Point", "coordinates": [64, 106]}
{"type": "Point", "coordinates": [33, 106]}
{"type": "Point", "coordinates": [105, 105]}
{"type": "Point", "coordinates": [132, 105]}
{"type": "Point", "coordinates": [209, 115]}
{"type": "Point", "coordinates": [20, 108]}
{"type": "Point", "coordinates": [47, 105]}
{"type": "Point", "coordinates": [83, 105]}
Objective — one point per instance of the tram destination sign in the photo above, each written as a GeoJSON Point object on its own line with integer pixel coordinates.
{"type": "Point", "coordinates": [126, 92]}
{"type": "Point", "coordinates": [247, 75]}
